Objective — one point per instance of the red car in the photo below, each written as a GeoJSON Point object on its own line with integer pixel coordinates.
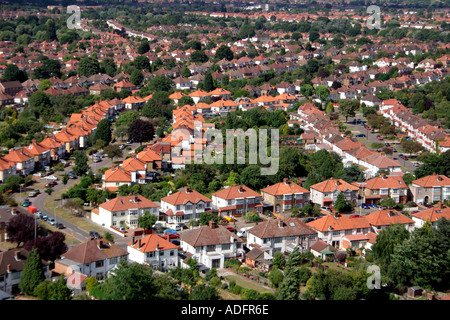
{"type": "Point", "coordinates": [367, 128]}
{"type": "Point", "coordinates": [231, 229]}
{"type": "Point", "coordinates": [380, 138]}
{"type": "Point", "coordinates": [51, 184]}
{"type": "Point", "coordinates": [171, 236]}
{"type": "Point", "coordinates": [354, 216]}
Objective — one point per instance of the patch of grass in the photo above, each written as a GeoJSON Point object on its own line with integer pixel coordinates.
{"type": "Point", "coordinates": [248, 284]}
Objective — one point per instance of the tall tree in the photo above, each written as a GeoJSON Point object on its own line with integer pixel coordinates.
{"type": "Point", "coordinates": [81, 163]}
{"type": "Point", "coordinates": [88, 66]}
{"type": "Point", "coordinates": [208, 82]}
{"type": "Point", "coordinates": [347, 108]}
{"type": "Point", "coordinates": [103, 131]}
{"type": "Point", "coordinates": [32, 273]}
{"type": "Point", "coordinates": [20, 228]}
{"type": "Point", "coordinates": [141, 131]}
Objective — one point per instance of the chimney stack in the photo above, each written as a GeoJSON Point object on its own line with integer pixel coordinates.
{"type": "Point", "coordinates": [17, 255]}
{"type": "Point", "coordinates": [285, 180]}
{"type": "Point", "coordinates": [212, 224]}
{"type": "Point", "coordinates": [139, 243]}
{"type": "Point", "coordinates": [186, 188]}
{"type": "Point", "coordinates": [8, 268]}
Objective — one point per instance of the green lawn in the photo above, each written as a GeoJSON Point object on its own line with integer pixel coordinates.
{"type": "Point", "coordinates": [249, 284]}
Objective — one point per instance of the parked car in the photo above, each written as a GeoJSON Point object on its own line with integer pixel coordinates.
{"type": "Point", "coordinates": [59, 225]}
{"type": "Point", "coordinates": [367, 127]}
{"type": "Point", "coordinates": [94, 235]}
{"type": "Point", "coordinates": [52, 221]}
{"type": "Point", "coordinates": [309, 220]}
{"type": "Point", "coordinates": [33, 193]}
{"type": "Point", "coordinates": [364, 206]}
{"type": "Point", "coordinates": [176, 242]}
{"type": "Point", "coordinates": [51, 184]}
{"type": "Point", "coordinates": [361, 135]}
{"type": "Point", "coordinates": [326, 208]}
{"type": "Point", "coordinates": [96, 159]}
{"type": "Point", "coordinates": [26, 202]}
{"type": "Point", "coordinates": [355, 216]}
{"type": "Point", "coordinates": [171, 236]}
{"type": "Point", "coordinates": [380, 138]}
{"type": "Point", "coordinates": [229, 228]}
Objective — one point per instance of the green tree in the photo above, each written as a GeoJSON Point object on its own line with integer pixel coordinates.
{"type": "Point", "coordinates": [278, 261]}
{"type": "Point", "coordinates": [341, 205]}
{"type": "Point", "coordinates": [13, 73]}
{"type": "Point", "coordinates": [32, 273]}
{"type": "Point", "coordinates": [128, 282]}
{"type": "Point", "coordinates": [144, 47]}
{"type": "Point", "coordinates": [136, 77]}
{"type": "Point", "coordinates": [103, 131]}
{"type": "Point", "coordinates": [276, 277]}
{"type": "Point", "coordinates": [208, 82]}
{"type": "Point", "coordinates": [202, 292]}
{"type": "Point", "coordinates": [147, 220]}
{"type": "Point", "coordinates": [388, 203]}
{"type": "Point", "coordinates": [113, 151]}
{"type": "Point", "coordinates": [224, 52]}
{"type": "Point", "coordinates": [88, 66]}
{"type": "Point", "coordinates": [386, 242]}
{"type": "Point", "coordinates": [423, 258]}
{"type": "Point", "coordinates": [81, 163]}
{"type": "Point", "coordinates": [347, 108]}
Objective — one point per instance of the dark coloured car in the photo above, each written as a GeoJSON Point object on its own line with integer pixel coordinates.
{"type": "Point", "coordinates": [94, 235]}
{"type": "Point", "coordinates": [59, 225]}
{"type": "Point", "coordinates": [361, 135]}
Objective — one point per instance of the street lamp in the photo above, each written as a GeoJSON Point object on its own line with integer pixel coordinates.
{"type": "Point", "coordinates": [54, 212]}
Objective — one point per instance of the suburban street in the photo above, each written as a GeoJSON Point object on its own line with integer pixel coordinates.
{"type": "Point", "coordinates": [71, 229]}
{"type": "Point", "coordinates": [356, 127]}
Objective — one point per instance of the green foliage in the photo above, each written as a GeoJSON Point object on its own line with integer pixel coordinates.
{"type": "Point", "coordinates": [341, 205]}
{"type": "Point", "coordinates": [422, 259]}
{"type": "Point", "coordinates": [32, 273]}
{"type": "Point", "coordinates": [88, 66]}
{"type": "Point", "coordinates": [147, 220]}
{"type": "Point", "coordinates": [103, 131]}
{"type": "Point", "coordinates": [128, 282]}
{"type": "Point", "coordinates": [81, 163]}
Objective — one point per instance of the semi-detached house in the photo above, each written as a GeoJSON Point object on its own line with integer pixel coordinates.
{"type": "Point", "coordinates": [182, 206]}
{"type": "Point", "coordinates": [236, 200]}
{"type": "Point", "coordinates": [212, 245]}
{"type": "Point", "coordinates": [285, 195]}
{"type": "Point", "coordinates": [123, 211]}
{"type": "Point", "coordinates": [282, 235]}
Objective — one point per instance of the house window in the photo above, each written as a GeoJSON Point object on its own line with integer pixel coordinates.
{"type": "Point", "coordinates": [99, 264]}
{"type": "Point", "coordinates": [113, 260]}
{"type": "Point", "coordinates": [211, 248]}
{"type": "Point", "coordinates": [226, 246]}
{"type": "Point", "coordinates": [172, 253]}
{"type": "Point", "coordinates": [150, 254]}
{"type": "Point", "coordinates": [336, 233]}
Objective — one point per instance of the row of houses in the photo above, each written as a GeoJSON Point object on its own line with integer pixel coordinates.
{"type": "Point", "coordinates": [23, 161]}
{"type": "Point", "coordinates": [429, 135]}
{"type": "Point", "coordinates": [323, 134]}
